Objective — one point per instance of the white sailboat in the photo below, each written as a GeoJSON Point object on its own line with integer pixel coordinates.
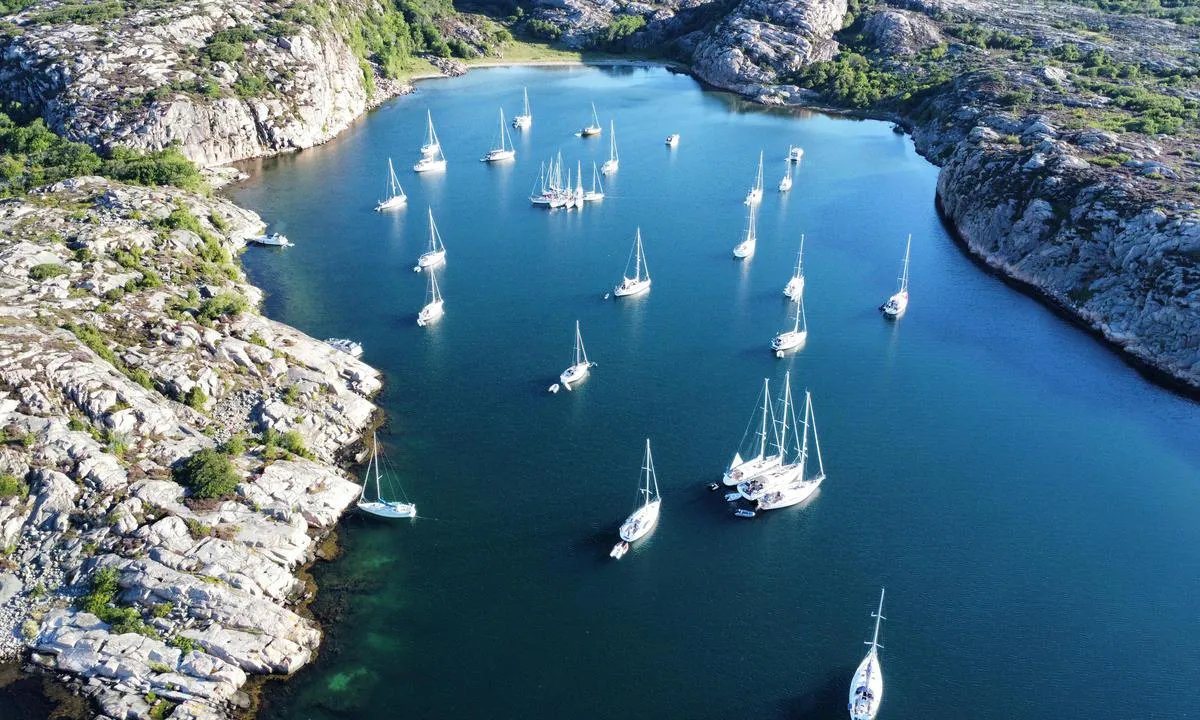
{"type": "Point", "coordinates": [504, 149]}
{"type": "Point", "coordinates": [741, 469]}
{"type": "Point", "coordinates": [395, 194]}
{"type": "Point", "coordinates": [755, 195]}
{"type": "Point", "coordinates": [594, 128]}
{"type": "Point", "coordinates": [436, 254]}
{"type": "Point", "coordinates": [640, 282]}
{"type": "Point", "coordinates": [525, 119]}
{"type": "Point", "coordinates": [794, 338]}
{"type": "Point", "coordinates": [434, 306]}
{"type": "Point", "coordinates": [579, 362]}
{"type": "Point", "coordinates": [431, 152]}
{"type": "Point", "coordinates": [673, 140]}
{"type": "Point", "coordinates": [786, 183]}
{"type": "Point", "coordinates": [646, 508]}
{"type": "Point", "coordinates": [613, 162]}
{"type": "Point", "coordinates": [579, 194]}
{"type": "Point", "coordinates": [568, 195]}
{"type": "Point", "coordinates": [795, 153]}
{"type": "Point", "coordinates": [794, 289]}
{"type": "Point", "coordinates": [745, 248]}
{"type": "Point", "coordinates": [785, 472]}
{"type": "Point", "coordinates": [898, 303]}
{"type": "Point", "coordinates": [381, 506]}
{"type": "Point", "coordinates": [801, 486]}
{"type": "Point", "coordinates": [866, 689]}
{"type": "Point", "coordinates": [597, 192]}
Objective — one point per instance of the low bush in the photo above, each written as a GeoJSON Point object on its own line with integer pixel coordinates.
{"type": "Point", "coordinates": [208, 474]}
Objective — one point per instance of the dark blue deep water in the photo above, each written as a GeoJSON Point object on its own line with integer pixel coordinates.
{"type": "Point", "coordinates": [1029, 501]}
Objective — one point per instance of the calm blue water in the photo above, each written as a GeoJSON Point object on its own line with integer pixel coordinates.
{"type": "Point", "coordinates": [1029, 501]}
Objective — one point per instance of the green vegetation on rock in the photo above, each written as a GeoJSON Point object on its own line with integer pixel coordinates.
{"type": "Point", "coordinates": [208, 474]}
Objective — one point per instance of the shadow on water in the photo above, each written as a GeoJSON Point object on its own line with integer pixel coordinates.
{"type": "Point", "coordinates": [823, 702]}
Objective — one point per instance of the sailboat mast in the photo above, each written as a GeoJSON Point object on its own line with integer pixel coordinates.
{"type": "Point", "coordinates": [526, 102]}
{"type": "Point", "coordinates": [800, 316]}
{"type": "Point", "coordinates": [759, 184]}
{"type": "Point", "coordinates": [787, 399]}
{"type": "Point", "coordinates": [651, 476]}
{"type": "Point", "coordinates": [816, 438]}
{"type": "Point", "coordinates": [904, 277]}
{"type": "Point", "coordinates": [800, 256]}
{"type": "Point", "coordinates": [637, 272]}
{"type": "Point", "coordinates": [878, 617]}
{"type": "Point", "coordinates": [375, 457]}
{"type": "Point", "coordinates": [762, 447]}
{"type": "Point", "coordinates": [804, 443]}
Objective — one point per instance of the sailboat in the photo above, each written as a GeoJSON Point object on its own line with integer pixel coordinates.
{"type": "Point", "coordinates": [645, 509]}
{"type": "Point", "coordinates": [579, 194]}
{"type": "Point", "coordinates": [783, 473]}
{"type": "Point", "coordinates": [431, 152]}
{"type": "Point", "coordinates": [380, 506]}
{"type": "Point", "coordinates": [436, 254]}
{"type": "Point", "coordinates": [502, 151]}
{"type": "Point", "coordinates": [597, 191]}
{"type": "Point", "coordinates": [794, 338]}
{"type": "Point", "coordinates": [579, 362]}
{"type": "Point", "coordinates": [640, 282]}
{"type": "Point", "coordinates": [801, 485]}
{"type": "Point", "coordinates": [866, 689]}
{"type": "Point", "coordinates": [613, 162]}
{"type": "Point", "coordinates": [794, 289]}
{"type": "Point", "coordinates": [434, 307]}
{"type": "Point", "coordinates": [898, 303]}
{"type": "Point", "coordinates": [525, 119]}
{"type": "Point", "coordinates": [755, 195]}
{"type": "Point", "coordinates": [745, 248]}
{"type": "Point", "coordinates": [743, 469]}
{"type": "Point", "coordinates": [786, 183]}
{"type": "Point", "coordinates": [568, 195]}
{"type": "Point", "coordinates": [594, 128]}
{"type": "Point", "coordinates": [395, 194]}
{"type": "Point", "coordinates": [672, 140]}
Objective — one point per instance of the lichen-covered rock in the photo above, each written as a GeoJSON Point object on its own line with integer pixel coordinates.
{"type": "Point", "coordinates": [896, 32]}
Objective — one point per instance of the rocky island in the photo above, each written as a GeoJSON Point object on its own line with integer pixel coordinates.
{"type": "Point", "coordinates": [170, 457]}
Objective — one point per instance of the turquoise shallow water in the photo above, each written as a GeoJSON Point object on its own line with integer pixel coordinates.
{"type": "Point", "coordinates": [1028, 500]}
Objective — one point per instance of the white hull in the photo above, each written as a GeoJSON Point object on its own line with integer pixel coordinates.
{"type": "Point", "coordinates": [896, 304]}
{"type": "Point", "coordinates": [499, 156]}
{"type": "Point", "coordinates": [672, 140]}
{"type": "Point", "coordinates": [539, 200]}
{"type": "Point", "coordinates": [609, 167]}
{"type": "Point", "coordinates": [593, 196]}
{"type": "Point", "coordinates": [429, 165]}
{"type": "Point", "coordinates": [273, 240]}
{"type": "Point", "coordinates": [386, 509]}
{"type": "Point", "coordinates": [749, 469]}
{"type": "Point", "coordinates": [619, 550]}
{"type": "Point", "coordinates": [631, 287]}
{"type": "Point", "coordinates": [866, 689]}
{"type": "Point", "coordinates": [770, 481]}
{"type": "Point", "coordinates": [430, 259]}
{"type": "Point", "coordinates": [430, 149]}
{"type": "Point", "coordinates": [789, 340]}
{"type": "Point", "coordinates": [754, 197]}
{"type": "Point", "coordinates": [522, 122]}
{"type": "Point", "coordinates": [431, 313]}
{"type": "Point", "coordinates": [797, 492]}
{"type": "Point", "coordinates": [795, 288]}
{"type": "Point", "coordinates": [591, 131]}
{"type": "Point", "coordinates": [785, 184]}
{"type": "Point", "coordinates": [640, 522]}
{"type": "Point", "coordinates": [396, 201]}
{"type": "Point", "coordinates": [744, 249]}
{"type": "Point", "coordinates": [574, 374]}
{"type": "Point", "coordinates": [795, 154]}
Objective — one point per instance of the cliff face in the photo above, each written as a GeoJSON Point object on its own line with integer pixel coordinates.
{"type": "Point", "coordinates": [1120, 260]}
{"type": "Point", "coordinates": [124, 348]}
{"type": "Point", "coordinates": [764, 42]}
{"type": "Point", "coordinates": [151, 77]}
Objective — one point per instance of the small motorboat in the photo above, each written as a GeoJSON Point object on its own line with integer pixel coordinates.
{"type": "Point", "coordinates": [272, 240]}
{"type": "Point", "coordinates": [672, 139]}
{"type": "Point", "coordinates": [349, 347]}
{"type": "Point", "coordinates": [555, 388]}
{"type": "Point", "coordinates": [795, 153]}
{"type": "Point", "coordinates": [732, 496]}
{"type": "Point", "coordinates": [619, 550]}
{"type": "Point", "coordinates": [744, 513]}
{"type": "Point", "coordinates": [713, 487]}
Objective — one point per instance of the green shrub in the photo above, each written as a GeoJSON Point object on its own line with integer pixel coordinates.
{"type": "Point", "coordinates": [100, 601]}
{"type": "Point", "coordinates": [13, 486]}
{"type": "Point", "coordinates": [224, 52]}
{"type": "Point", "coordinates": [208, 474]}
{"type": "Point", "coordinates": [45, 271]}
{"type": "Point", "coordinates": [195, 398]}
{"type": "Point", "coordinates": [235, 445]}
{"type": "Point", "coordinates": [185, 644]}
{"type": "Point", "coordinates": [226, 304]}
{"type": "Point", "coordinates": [250, 85]}
{"type": "Point", "coordinates": [291, 395]}
{"type": "Point", "coordinates": [293, 442]}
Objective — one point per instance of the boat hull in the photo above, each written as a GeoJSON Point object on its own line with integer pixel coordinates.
{"type": "Point", "coordinates": [609, 167]}
{"type": "Point", "coordinates": [672, 140]}
{"type": "Point", "coordinates": [744, 249]}
{"type": "Point", "coordinates": [429, 166]}
{"type": "Point", "coordinates": [795, 288]}
{"type": "Point", "coordinates": [750, 469]}
{"type": "Point", "coordinates": [499, 156]}
{"type": "Point", "coordinates": [753, 197]}
{"type": "Point", "coordinates": [590, 131]}
{"type": "Point", "coordinates": [574, 374]}
{"type": "Point", "coordinates": [431, 313]}
{"type": "Point", "coordinates": [430, 259]}
{"type": "Point", "coordinates": [381, 508]}
{"type": "Point", "coordinates": [796, 154]}
{"type": "Point", "coordinates": [769, 481]}
{"type": "Point", "coordinates": [795, 493]}
{"type": "Point", "coordinates": [593, 196]}
{"type": "Point", "coordinates": [273, 240]}
{"type": "Point", "coordinates": [641, 522]}
{"type": "Point", "coordinates": [785, 185]}
{"type": "Point", "coordinates": [866, 688]}
{"type": "Point", "coordinates": [789, 340]}
{"type": "Point", "coordinates": [896, 305]}
{"type": "Point", "coordinates": [522, 122]}
{"type": "Point", "coordinates": [628, 289]}
{"type": "Point", "coordinates": [396, 201]}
